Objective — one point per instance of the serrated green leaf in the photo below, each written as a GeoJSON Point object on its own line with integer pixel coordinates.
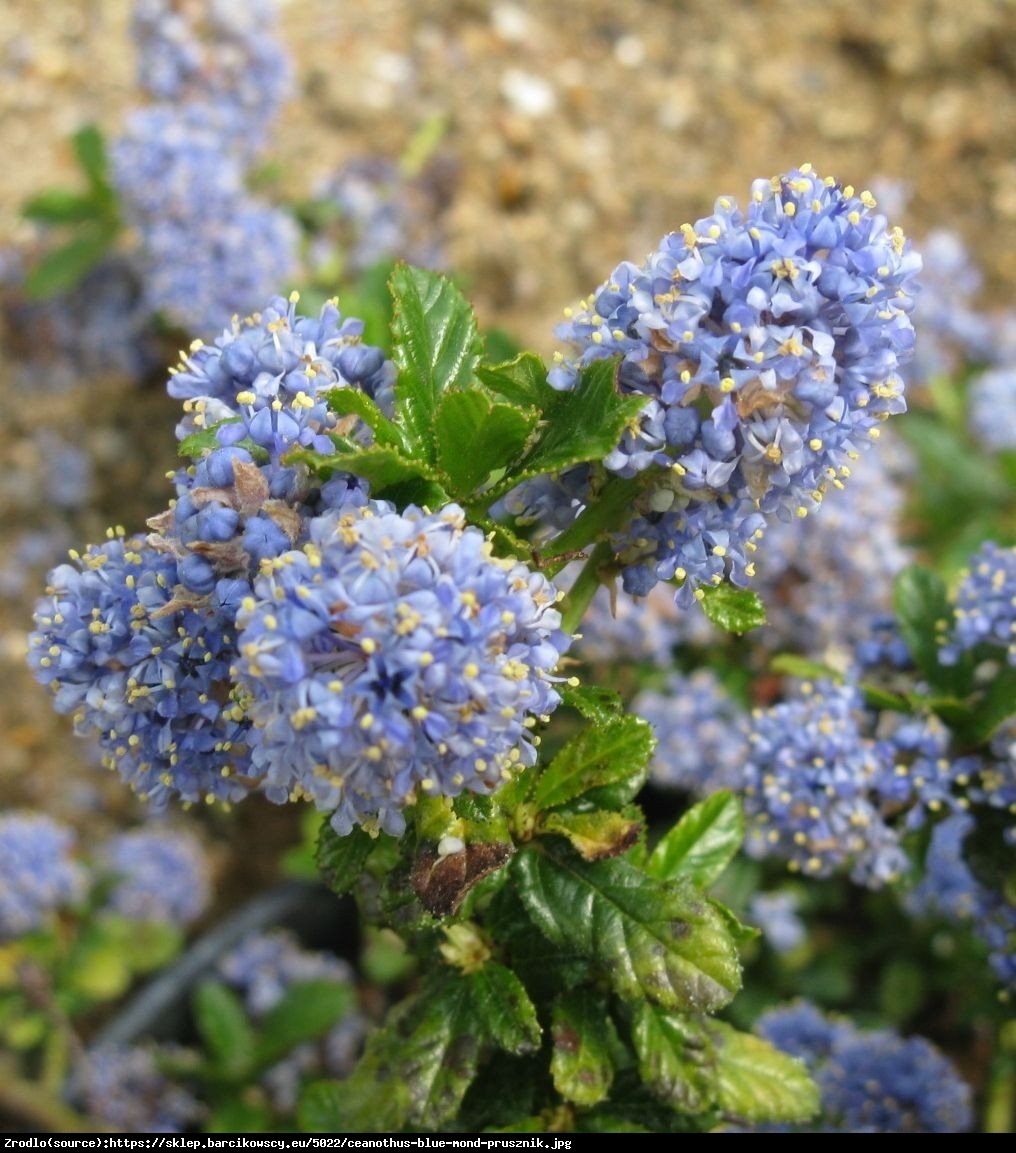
{"type": "Point", "coordinates": [197, 444]}
{"type": "Point", "coordinates": [613, 752]}
{"type": "Point", "coordinates": [477, 437]}
{"type": "Point", "coordinates": [756, 1082]}
{"type": "Point", "coordinates": [436, 348]}
{"type": "Point", "coordinates": [583, 1037]}
{"type": "Point", "coordinates": [522, 380]}
{"type": "Point", "coordinates": [61, 206]}
{"type": "Point", "coordinates": [342, 859]}
{"type": "Point", "coordinates": [585, 424]}
{"type": "Point", "coordinates": [222, 1023]}
{"type": "Point", "coordinates": [502, 1010]}
{"type": "Point", "coordinates": [656, 940]}
{"type": "Point", "coordinates": [592, 702]}
{"type": "Point", "coordinates": [923, 611]}
{"type": "Point", "coordinates": [702, 843]}
{"type": "Point", "coordinates": [306, 1011]}
{"type": "Point", "coordinates": [595, 835]}
{"type": "Point", "coordinates": [675, 1058]}
{"type": "Point", "coordinates": [353, 402]}
{"type": "Point", "coordinates": [732, 609]}
{"type": "Point", "coordinates": [62, 268]}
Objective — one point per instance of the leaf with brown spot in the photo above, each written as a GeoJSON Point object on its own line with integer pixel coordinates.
{"type": "Point", "coordinates": [442, 883]}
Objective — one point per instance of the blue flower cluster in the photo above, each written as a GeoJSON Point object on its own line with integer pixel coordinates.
{"type": "Point", "coordinates": [262, 967]}
{"type": "Point", "coordinates": [124, 1087]}
{"type": "Point", "coordinates": [160, 874]}
{"type": "Point", "coordinates": [700, 732]}
{"type": "Point", "coordinates": [38, 875]}
{"type": "Point", "coordinates": [985, 605]}
{"type": "Point", "coordinates": [208, 249]}
{"type": "Point", "coordinates": [624, 630]}
{"type": "Point", "coordinates": [395, 655]}
{"type": "Point", "coordinates": [871, 1081]}
{"type": "Point", "coordinates": [769, 344]}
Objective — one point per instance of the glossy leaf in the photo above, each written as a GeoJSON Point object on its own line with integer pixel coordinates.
{"type": "Point", "coordinates": [522, 380]}
{"type": "Point", "coordinates": [733, 609]}
{"type": "Point", "coordinates": [341, 859]}
{"type": "Point", "coordinates": [702, 843]}
{"type": "Point", "coordinates": [654, 940]}
{"type": "Point", "coordinates": [675, 1058]}
{"type": "Point", "coordinates": [502, 1011]}
{"type": "Point", "coordinates": [756, 1082]}
{"type": "Point", "coordinates": [478, 437]}
{"type": "Point", "coordinates": [592, 702]}
{"type": "Point", "coordinates": [616, 752]}
{"type": "Point", "coordinates": [436, 348]}
{"type": "Point", "coordinates": [582, 1037]}
{"type": "Point", "coordinates": [357, 1105]}
{"type": "Point", "coordinates": [353, 402]}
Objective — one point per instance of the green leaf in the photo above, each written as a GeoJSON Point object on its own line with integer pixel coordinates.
{"type": "Point", "coordinates": [90, 151]}
{"type": "Point", "coordinates": [144, 946]}
{"type": "Point", "coordinates": [675, 1058]}
{"type": "Point", "coordinates": [592, 702]}
{"type": "Point", "coordinates": [353, 402]}
{"type": "Point", "coordinates": [523, 381]}
{"type": "Point", "coordinates": [702, 843]}
{"type": "Point", "coordinates": [502, 1010]}
{"type": "Point", "coordinates": [341, 859]}
{"type": "Point", "coordinates": [62, 268]}
{"type": "Point", "coordinates": [361, 1104]}
{"type": "Point", "coordinates": [594, 835]}
{"type": "Point", "coordinates": [307, 1010]}
{"type": "Point", "coordinates": [61, 206]}
{"type": "Point", "coordinates": [436, 348]}
{"type": "Point", "coordinates": [236, 1115]}
{"type": "Point", "coordinates": [923, 612]}
{"type": "Point", "coordinates": [791, 665]}
{"type": "Point", "coordinates": [224, 1028]}
{"type": "Point", "coordinates": [477, 437]}
{"type": "Point", "coordinates": [197, 444]}
{"type": "Point", "coordinates": [655, 940]}
{"type": "Point", "coordinates": [756, 1082]}
{"type": "Point", "coordinates": [585, 424]}
{"type": "Point", "coordinates": [613, 753]}
{"type": "Point", "coordinates": [583, 1037]}
{"type": "Point", "coordinates": [733, 609]}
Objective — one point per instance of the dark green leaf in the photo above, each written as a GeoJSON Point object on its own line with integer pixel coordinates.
{"type": "Point", "coordinates": [477, 437]}
{"type": "Point", "coordinates": [353, 402]}
{"type": "Point", "coordinates": [307, 1010]}
{"type": "Point", "coordinates": [610, 753]}
{"type": "Point", "coordinates": [594, 835]}
{"type": "Point", "coordinates": [385, 467]}
{"type": "Point", "coordinates": [500, 345]}
{"type": "Point", "coordinates": [61, 206]}
{"type": "Point", "coordinates": [583, 1037]}
{"type": "Point", "coordinates": [733, 609]}
{"type": "Point", "coordinates": [585, 424]}
{"type": "Point", "coordinates": [436, 348]}
{"type": "Point", "coordinates": [361, 1104]}
{"type": "Point", "coordinates": [502, 1011]}
{"type": "Point", "coordinates": [653, 939]}
{"type": "Point", "coordinates": [523, 381]}
{"type": "Point", "coordinates": [341, 859]}
{"type": "Point", "coordinates": [756, 1082]}
{"type": "Point", "coordinates": [702, 843]}
{"type": "Point", "coordinates": [675, 1058]}
{"type": "Point", "coordinates": [923, 612]}
{"type": "Point", "coordinates": [62, 268]}
{"type": "Point", "coordinates": [224, 1028]}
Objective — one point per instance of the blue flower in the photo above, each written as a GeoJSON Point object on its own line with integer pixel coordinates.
{"type": "Point", "coordinates": [770, 343]}
{"type": "Point", "coordinates": [985, 605]}
{"type": "Point", "coordinates": [161, 874]}
{"type": "Point", "coordinates": [393, 656]}
{"type": "Point", "coordinates": [992, 417]}
{"type": "Point", "coordinates": [124, 1087]}
{"type": "Point", "coordinates": [38, 875]}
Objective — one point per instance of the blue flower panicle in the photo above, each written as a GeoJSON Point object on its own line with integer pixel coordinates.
{"type": "Point", "coordinates": [985, 605]}
{"type": "Point", "coordinates": [871, 1081]}
{"type": "Point", "coordinates": [145, 670]}
{"type": "Point", "coordinates": [160, 874]}
{"type": "Point", "coordinates": [395, 656]}
{"type": "Point", "coordinates": [38, 874]}
{"type": "Point", "coordinates": [769, 342]}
